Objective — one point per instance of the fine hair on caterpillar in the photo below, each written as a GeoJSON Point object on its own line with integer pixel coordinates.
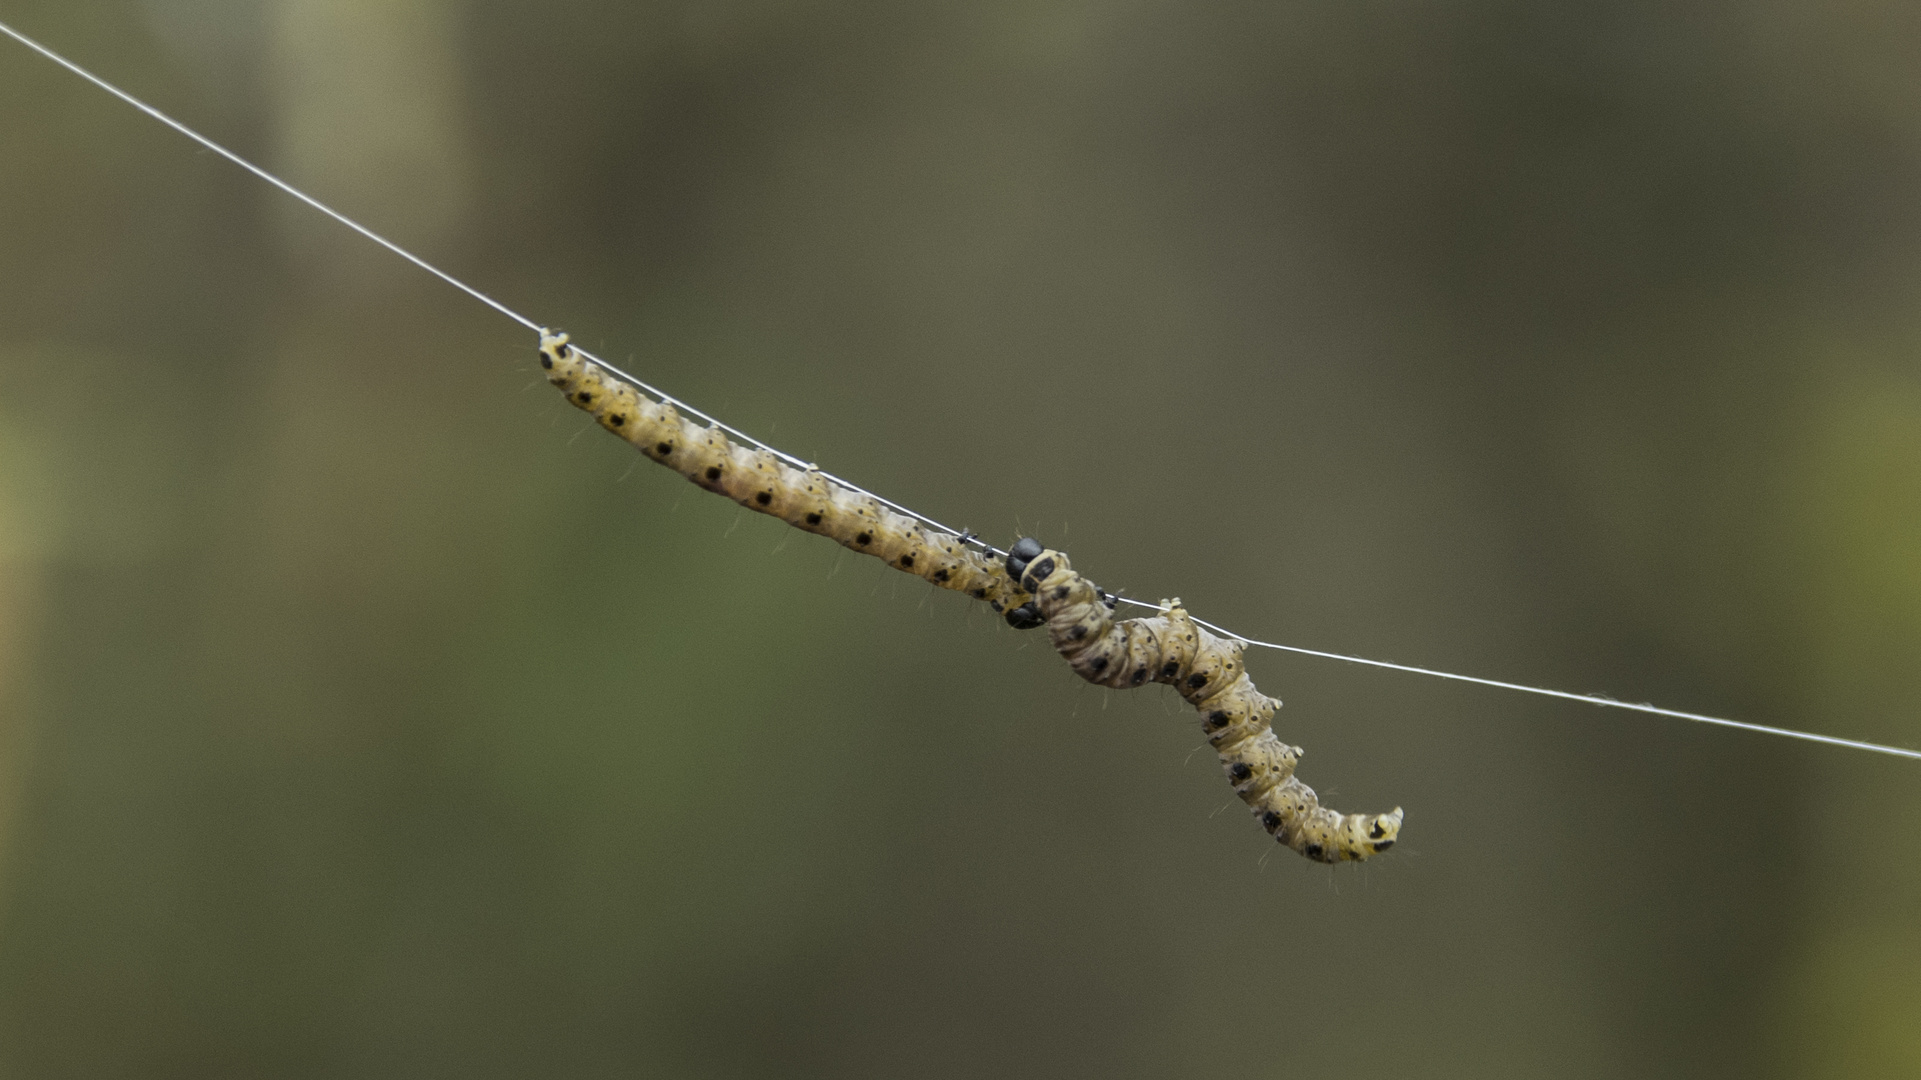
{"type": "Point", "coordinates": [1031, 587]}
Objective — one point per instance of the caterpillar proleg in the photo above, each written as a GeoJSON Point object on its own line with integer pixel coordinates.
{"type": "Point", "coordinates": [1030, 588]}
{"type": "Point", "coordinates": [1207, 671]}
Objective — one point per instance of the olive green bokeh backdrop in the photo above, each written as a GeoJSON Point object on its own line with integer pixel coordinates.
{"type": "Point", "coordinates": [364, 714]}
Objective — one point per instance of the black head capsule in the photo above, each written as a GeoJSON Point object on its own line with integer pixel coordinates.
{"type": "Point", "coordinates": [1021, 554]}
{"type": "Point", "coordinates": [1025, 617]}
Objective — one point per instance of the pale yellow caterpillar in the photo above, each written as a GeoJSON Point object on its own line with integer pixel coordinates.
{"type": "Point", "coordinates": [1207, 670]}
{"type": "Point", "coordinates": [1031, 587]}
{"type": "Point", "coordinates": [760, 481]}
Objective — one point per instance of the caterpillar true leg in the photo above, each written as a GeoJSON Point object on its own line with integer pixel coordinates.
{"type": "Point", "coordinates": [1207, 670]}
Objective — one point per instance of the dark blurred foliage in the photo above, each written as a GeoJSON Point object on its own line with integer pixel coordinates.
{"type": "Point", "coordinates": [362, 714]}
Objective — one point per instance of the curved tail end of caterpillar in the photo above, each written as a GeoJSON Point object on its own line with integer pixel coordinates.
{"type": "Point", "coordinates": [1207, 670]}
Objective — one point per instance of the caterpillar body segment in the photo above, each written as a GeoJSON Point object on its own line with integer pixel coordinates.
{"type": "Point", "coordinates": [1207, 670]}
{"type": "Point", "coordinates": [762, 482]}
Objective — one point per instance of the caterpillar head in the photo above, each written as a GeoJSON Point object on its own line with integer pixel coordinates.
{"type": "Point", "coordinates": [1026, 617]}
{"type": "Point", "coordinates": [1024, 551]}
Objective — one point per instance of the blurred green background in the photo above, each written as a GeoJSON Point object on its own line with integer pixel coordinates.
{"type": "Point", "coordinates": [362, 713]}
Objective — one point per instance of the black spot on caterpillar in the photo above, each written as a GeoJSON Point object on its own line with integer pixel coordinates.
{"type": "Point", "coordinates": [759, 481]}
{"type": "Point", "coordinates": [1207, 671]}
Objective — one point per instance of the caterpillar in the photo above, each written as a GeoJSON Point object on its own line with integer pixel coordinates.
{"type": "Point", "coordinates": [762, 482]}
{"type": "Point", "coordinates": [1207, 670]}
{"type": "Point", "coordinates": [1030, 587]}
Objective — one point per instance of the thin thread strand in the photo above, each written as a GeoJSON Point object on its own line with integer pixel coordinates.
{"type": "Point", "coordinates": [1591, 699]}
{"type": "Point", "coordinates": [356, 226]}
{"type": "Point", "coordinates": [268, 177]}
